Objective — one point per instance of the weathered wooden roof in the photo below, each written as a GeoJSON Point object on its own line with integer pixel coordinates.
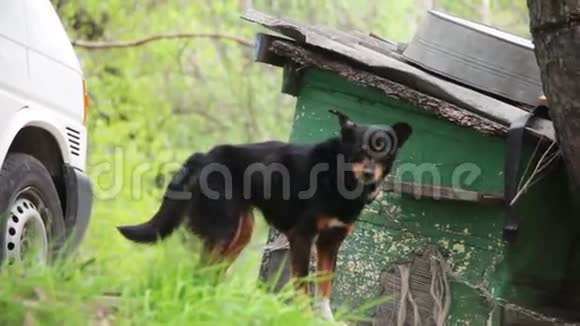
{"type": "Point", "coordinates": [381, 58]}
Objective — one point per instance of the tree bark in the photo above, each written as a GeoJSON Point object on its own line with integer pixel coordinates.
{"type": "Point", "coordinates": [555, 27]}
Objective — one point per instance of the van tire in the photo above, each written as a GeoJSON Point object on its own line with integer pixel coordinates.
{"type": "Point", "coordinates": [25, 184]}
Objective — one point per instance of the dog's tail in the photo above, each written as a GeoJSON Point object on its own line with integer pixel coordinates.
{"type": "Point", "coordinates": [178, 196]}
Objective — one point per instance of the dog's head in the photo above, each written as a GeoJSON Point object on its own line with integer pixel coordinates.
{"type": "Point", "coordinates": [371, 150]}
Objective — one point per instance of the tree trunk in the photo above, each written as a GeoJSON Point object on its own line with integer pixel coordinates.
{"type": "Point", "coordinates": [555, 27]}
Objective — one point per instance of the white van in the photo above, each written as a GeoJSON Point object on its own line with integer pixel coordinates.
{"type": "Point", "coordinates": [45, 196]}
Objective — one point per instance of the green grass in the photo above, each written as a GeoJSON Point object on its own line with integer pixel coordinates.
{"type": "Point", "coordinates": [150, 285]}
{"type": "Point", "coordinates": [112, 281]}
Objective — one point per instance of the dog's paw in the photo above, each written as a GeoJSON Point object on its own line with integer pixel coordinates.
{"type": "Point", "coordinates": [324, 311]}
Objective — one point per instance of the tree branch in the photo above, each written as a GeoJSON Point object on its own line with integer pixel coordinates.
{"type": "Point", "coordinates": [145, 40]}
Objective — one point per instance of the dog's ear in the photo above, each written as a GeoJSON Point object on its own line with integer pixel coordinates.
{"type": "Point", "coordinates": [343, 120]}
{"type": "Point", "coordinates": [402, 131]}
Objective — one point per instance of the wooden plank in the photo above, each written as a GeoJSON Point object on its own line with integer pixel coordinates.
{"type": "Point", "coordinates": [439, 108]}
{"type": "Point", "coordinates": [421, 191]}
{"type": "Point", "coordinates": [263, 53]}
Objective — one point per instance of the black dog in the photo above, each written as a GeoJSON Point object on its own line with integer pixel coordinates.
{"type": "Point", "coordinates": [311, 193]}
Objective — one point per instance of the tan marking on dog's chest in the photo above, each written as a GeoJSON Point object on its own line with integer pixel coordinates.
{"type": "Point", "coordinates": [328, 222]}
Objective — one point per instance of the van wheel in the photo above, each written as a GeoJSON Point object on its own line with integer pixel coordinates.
{"type": "Point", "coordinates": [31, 219]}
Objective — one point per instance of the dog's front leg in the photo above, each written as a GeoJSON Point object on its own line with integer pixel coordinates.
{"type": "Point", "coordinates": [327, 246]}
{"type": "Point", "coordinates": [375, 193]}
{"type": "Point", "coordinates": [300, 247]}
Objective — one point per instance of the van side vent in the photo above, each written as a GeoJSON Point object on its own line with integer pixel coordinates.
{"type": "Point", "coordinates": [74, 141]}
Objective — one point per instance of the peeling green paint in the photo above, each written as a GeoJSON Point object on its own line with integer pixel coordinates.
{"type": "Point", "coordinates": [395, 228]}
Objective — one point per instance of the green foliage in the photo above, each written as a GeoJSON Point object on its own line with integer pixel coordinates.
{"type": "Point", "coordinates": [151, 107]}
